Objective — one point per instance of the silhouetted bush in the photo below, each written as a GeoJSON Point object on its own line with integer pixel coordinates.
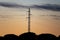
{"type": "Point", "coordinates": [11, 37]}
{"type": "Point", "coordinates": [59, 37]}
{"type": "Point", "coordinates": [46, 37]}
{"type": "Point", "coordinates": [28, 36]}
{"type": "Point", "coordinates": [1, 38]}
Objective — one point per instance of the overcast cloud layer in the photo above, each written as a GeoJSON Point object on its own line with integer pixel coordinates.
{"type": "Point", "coordinates": [53, 7]}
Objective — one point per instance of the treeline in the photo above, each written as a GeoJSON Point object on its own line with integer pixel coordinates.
{"type": "Point", "coordinates": [29, 36]}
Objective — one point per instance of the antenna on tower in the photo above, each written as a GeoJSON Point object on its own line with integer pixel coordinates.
{"type": "Point", "coordinates": [29, 16]}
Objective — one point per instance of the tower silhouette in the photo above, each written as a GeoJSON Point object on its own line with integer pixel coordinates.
{"type": "Point", "coordinates": [29, 20]}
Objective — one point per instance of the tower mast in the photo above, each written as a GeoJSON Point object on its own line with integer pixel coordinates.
{"type": "Point", "coordinates": [29, 20]}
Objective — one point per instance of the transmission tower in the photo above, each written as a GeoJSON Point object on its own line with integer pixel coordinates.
{"type": "Point", "coordinates": [29, 16]}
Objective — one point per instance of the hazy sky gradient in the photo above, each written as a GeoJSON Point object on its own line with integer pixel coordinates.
{"type": "Point", "coordinates": [31, 2]}
{"type": "Point", "coordinates": [14, 20]}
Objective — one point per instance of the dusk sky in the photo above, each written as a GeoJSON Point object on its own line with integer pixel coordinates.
{"type": "Point", "coordinates": [43, 20]}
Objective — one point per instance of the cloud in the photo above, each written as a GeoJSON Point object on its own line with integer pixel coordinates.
{"type": "Point", "coordinates": [5, 16]}
{"type": "Point", "coordinates": [6, 4]}
{"type": "Point", "coordinates": [53, 7]}
{"type": "Point", "coordinates": [55, 17]}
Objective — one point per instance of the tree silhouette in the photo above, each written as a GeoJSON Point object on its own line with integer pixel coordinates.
{"type": "Point", "coordinates": [1, 38]}
{"type": "Point", "coordinates": [11, 37]}
{"type": "Point", "coordinates": [46, 37]}
{"type": "Point", "coordinates": [28, 36]}
{"type": "Point", "coordinates": [59, 37]}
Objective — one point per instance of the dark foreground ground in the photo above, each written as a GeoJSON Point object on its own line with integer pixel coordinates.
{"type": "Point", "coordinates": [29, 36]}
